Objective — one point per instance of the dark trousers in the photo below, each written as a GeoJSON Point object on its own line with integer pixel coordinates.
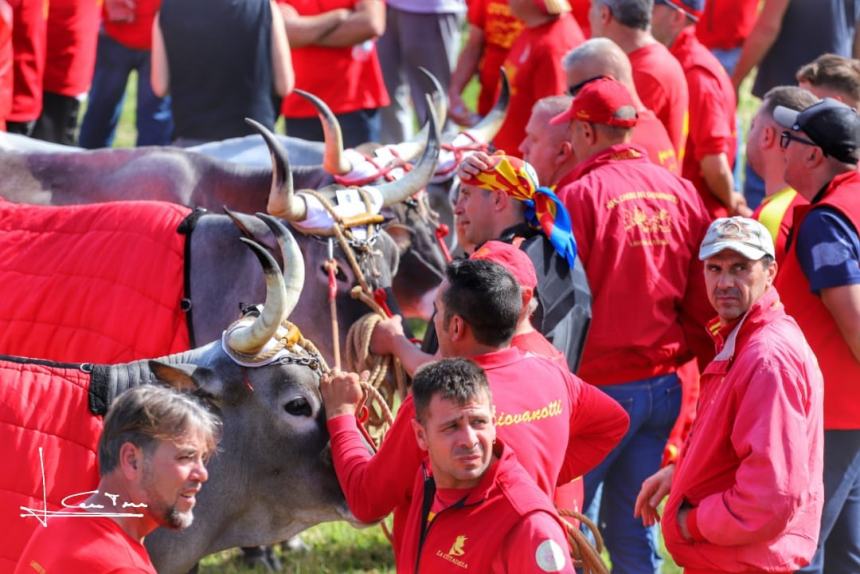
{"type": "Point", "coordinates": [59, 120]}
{"type": "Point", "coordinates": [358, 127]}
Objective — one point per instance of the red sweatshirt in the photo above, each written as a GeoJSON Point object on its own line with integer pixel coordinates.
{"type": "Point", "coordinates": [504, 524]}
{"type": "Point", "coordinates": [559, 426]}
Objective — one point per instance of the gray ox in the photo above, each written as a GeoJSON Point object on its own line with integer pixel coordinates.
{"type": "Point", "coordinates": [272, 475]}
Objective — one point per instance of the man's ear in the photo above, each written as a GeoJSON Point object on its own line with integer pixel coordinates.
{"type": "Point", "coordinates": [456, 328]}
{"type": "Point", "coordinates": [769, 137]}
{"type": "Point", "coordinates": [500, 200]}
{"type": "Point", "coordinates": [420, 434]}
{"type": "Point", "coordinates": [565, 152]}
{"type": "Point", "coordinates": [130, 461]}
{"type": "Point", "coordinates": [605, 14]}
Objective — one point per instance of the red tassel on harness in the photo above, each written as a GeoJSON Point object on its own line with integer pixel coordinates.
{"type": "Point", "coordinates": [442, 232]}
{"type": "Point", "coordinates": [381, 298]}
{"type": "Point", "coordinates": [332, 279]}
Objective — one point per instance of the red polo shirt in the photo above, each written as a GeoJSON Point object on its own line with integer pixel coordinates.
{"type": "Point", "coordinates": [73, 28]}
{"type": "Point", "coordinates": [500, 28]}
{"type": "Point", "coordinates": [534, 70]}
{"type": "Point", "coordinates": [712, 113]}
{"type": "Point", "coordinates": [650, 134]}
{"type": "Point", "coordinates": [725, 24]}
{"type": "Point", "coordinates": [660, 82]}
{"type": "Point", "coordinates": [358, 85]}
{"type": "Point", "coordinates": [560, 429]}
{"type": "Point", "coordinates": [136, 34]}
{"type": "Point", "coordinates": [638, 229]}
{"type": "Point", "coordinates": [28, 48]}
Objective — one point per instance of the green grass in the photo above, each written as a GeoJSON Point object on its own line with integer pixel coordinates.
{"type": "Point", "coordinates": [338, 547]}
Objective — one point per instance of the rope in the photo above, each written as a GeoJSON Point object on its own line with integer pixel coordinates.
{"type": "Point", "coordinates": [585, 556]}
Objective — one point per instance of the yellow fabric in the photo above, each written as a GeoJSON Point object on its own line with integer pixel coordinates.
{"type": "Point", "coordinates": [773, 210]}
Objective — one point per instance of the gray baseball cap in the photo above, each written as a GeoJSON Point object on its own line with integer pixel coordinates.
{"type": "Point", "coordinates": [740, 234]}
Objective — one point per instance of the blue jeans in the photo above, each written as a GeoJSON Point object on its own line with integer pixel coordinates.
{"type": "Point", "coordinates": [114, 63]}
{"type": "Point", "coordinates": [653, 405]}
{"type": "Point", "coordinates": [358, 127]}
{"type": "Point", "coordinates": [838, 549]}
{"type": "Point", "coordinates": [753, 187]}
{"type": "Point", "coordinates": [728, 58]}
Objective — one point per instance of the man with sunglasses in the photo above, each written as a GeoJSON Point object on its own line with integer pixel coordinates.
{"type": "Point", "coordinates": [820, 288]}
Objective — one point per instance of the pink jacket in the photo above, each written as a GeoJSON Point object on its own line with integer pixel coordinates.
{"type": "Point", "coordinates": [751, 468]}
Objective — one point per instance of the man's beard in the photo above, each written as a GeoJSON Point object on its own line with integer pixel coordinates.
{"type": "Point", "coordinates": [176, 520]}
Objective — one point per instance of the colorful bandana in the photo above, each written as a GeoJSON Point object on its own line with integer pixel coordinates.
{"type": "Point", "coordinates": [544, 210]}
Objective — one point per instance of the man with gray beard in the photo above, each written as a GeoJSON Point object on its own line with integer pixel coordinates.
{"type": "Point", "coordinates": [152, 456]}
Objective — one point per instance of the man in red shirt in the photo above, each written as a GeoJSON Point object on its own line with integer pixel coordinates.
{"type": "Point", "coordinates": [637, 227]}
{"type": "Point", "coordinates": [746, 492]}
{"type": "Point", "coordinates": [333, 46]}
{"type": "Point", "coordinates": [766, 157]}
{"type": "Point", "coordinates": [6, 75]}
{"type": "Point", "coordinates": [658, 76]}
{"type": "Point", "coordinates": [28, 52]}
{"type": "Point", "coordinates": [724, 26]}
{"type": "Point", "coordinates": [711, 143]}
{"type": "Point", "coordinates": [559, 428]}
{"type": "Point", "coordinates": [820, 287]}
{"type": "Point", "coordinates": [533, 64]}
{"type": "Point", "coordinates": [602, 57]}
{"type": "Point", "coordinates": [492, 31]}
{"type": "Point", "coordinates": [473, 505]}
{"type": "Point", "coordinates": [152, 456]}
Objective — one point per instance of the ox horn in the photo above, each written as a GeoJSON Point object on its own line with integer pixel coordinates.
{"type": "Point", "coordinates": [294, 264]}
{"type": "Point", "coordinates": [334, 160]}
{"type": "Point", "coordinates": [250, 339]}
{"type": "Point", "coordinates": [400, 190]}
{"type": "Point", "coordinates": [437, 95]}
{"type": "Point", "coordinates": [283, 202]}
{"type": "Point", "coordinates": [486, 129]}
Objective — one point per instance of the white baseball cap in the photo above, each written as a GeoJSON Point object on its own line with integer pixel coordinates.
{"type": "Point", "coordinates": [741, 234]}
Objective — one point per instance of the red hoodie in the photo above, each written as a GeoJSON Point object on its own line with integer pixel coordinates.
{"type": "Point", "coordinates": [559, 426]}
{"type": "Point", "coordinates": [751, 467]}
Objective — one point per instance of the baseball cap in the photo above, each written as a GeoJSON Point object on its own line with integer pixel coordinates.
{"type": "Point", "coordinates": [511, 258]}
{"type": "Point", "coordinates": [601, 101]}
{"type": "Point", "coordinates": [741, 234]}
{"type": "Point", "coordinates": [553, 6]}
{"type": "Point", "coordinates": [830, 124]}
{"type": "Point", "coordinates": [692, 8]}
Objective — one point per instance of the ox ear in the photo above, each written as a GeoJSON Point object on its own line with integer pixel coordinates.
{"type": "Point", "coordinates": [192, 379]}
{"type": "Point", "coordinates": [401, 235]}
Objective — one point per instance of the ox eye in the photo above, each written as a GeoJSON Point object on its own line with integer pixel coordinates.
{"type": "Point", "coordinates": [299, 407]}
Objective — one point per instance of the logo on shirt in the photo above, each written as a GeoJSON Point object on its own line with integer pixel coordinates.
{"type": "Point", "coordinates": [550, 557]}
{"type": "Point", "coordinates": [553, 409]}
{"type": "Point", "coordinates": [455, 551]}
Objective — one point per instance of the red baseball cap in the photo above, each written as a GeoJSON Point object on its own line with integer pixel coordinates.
{"type": "Point", "coordinates": [604, 101]}
{"type": "Point", "coordinates": [511, 258]}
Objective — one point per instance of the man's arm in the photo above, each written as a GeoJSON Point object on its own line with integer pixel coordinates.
{"type": "Point", "coordinates": [159, 76]}
{"type": "Point", "coordinates": [536, 544]}
{"type": "Point", "coordinates": [308, 30]}
{"type": "Point", "coordinates": [718, 177]}
{"type": "Point", "coordinates": [366, 22]}
{"type": "Point", "coordinates": [769, 438]}
{"type": "Point", "coordinates": [597, 425]}
{"type": "Point", "coordinates": [843, 303]}
{"type": "Point", "coordinates": [467, 66]}
{"type": "Point", "coordinates": [761, 38]}
{"type": "Point", "coordinates": [388, 339]}
{"type": "Point", "coordinates": [282, 63]}
{"type": "Point", "coordinates": [372, 484]}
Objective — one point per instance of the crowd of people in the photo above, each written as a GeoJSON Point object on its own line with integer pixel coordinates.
{"type": "Point", "coordinates": [713, 328]}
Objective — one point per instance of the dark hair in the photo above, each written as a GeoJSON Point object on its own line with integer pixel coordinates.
{"type": "Point", "coordinates": [790, 97]}
{"type": "Point", "coordinates": [457, 380]}
{"type": "Point", "coordinates": [835, 72]}
{"type": "Point", "coordinates": [486, 296]}
{"type": "Point", "coordinates": [148, 414]}
{"type": "Point", "coordinates": [631, 13]}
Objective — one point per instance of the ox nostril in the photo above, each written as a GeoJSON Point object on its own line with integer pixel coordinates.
{"type": "Point", "coordinates": [299, 407]}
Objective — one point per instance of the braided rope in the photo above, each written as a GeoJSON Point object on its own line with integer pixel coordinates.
{"type": "Point", "coordinates": [585, 556]}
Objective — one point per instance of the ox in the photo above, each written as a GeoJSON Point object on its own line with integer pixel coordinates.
{"type": "Point", "coordinates": [271, 477]}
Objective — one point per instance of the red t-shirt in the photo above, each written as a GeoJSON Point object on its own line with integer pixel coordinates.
{"type": "Point", "coordinates": [535, 343]}
{"type": "Point", "coordinates": [347, 79]}
{"type": "Point", "coordinates": [534, 69]}
{"type": "Point", "coordinates": [6, 73]}
{"type": "Point", "coordinates": [725, 24]}
{"type": "Point", "coordinates": [580, 12]}
{"type": "Point", "coordinates": [136, 34]}
{"type": "Point", "coordinates": [95, 545]}
{"type": "Point", "coordinates": [500, 28]}
{"type": "Point", "coordinates": [559, 429]}
{"type": "Point", "coordinates": [712, 113]}
{"type": "Point", "coordinates": [28, 48]}
{"type": "Point", "coordinates": [659, 79]}
{"type": "Point", "coordinates": [638, 229]}
{"type": "Point", "coordinates": [73, 27]}
{"type": "Point", "coordinates": [650, 134]}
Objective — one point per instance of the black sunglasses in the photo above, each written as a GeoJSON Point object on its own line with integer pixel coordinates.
{"type": "Point", "coordinates": [787, 137]}
{"type": "Point", "coordinates": [575, 89]}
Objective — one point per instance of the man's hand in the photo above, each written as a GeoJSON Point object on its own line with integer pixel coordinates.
{"type": "Point", "coordinates": [682, 523]}
{"type": "Point", "coordinates": [474, 164]}
{"type": "Point", "coordinates": [342, 392]}
{"type": "Point", "coordinates": [738, 205]}
{"type": "Point", "coordinates": [120, 10]}
{"type": "Point", "coordinates": [383, 341]}
{"type": "Point", "coordinates": [653, 491]}
{"type": "Point", "coordinates": [458, 111]}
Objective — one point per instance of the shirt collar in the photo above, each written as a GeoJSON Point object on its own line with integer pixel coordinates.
{"type": "Point", "coordinates": [725, 335]}
{"type": "Point", "coordinates": [612, 154]}
{"type": "Point", "coordinates": [500, 358]}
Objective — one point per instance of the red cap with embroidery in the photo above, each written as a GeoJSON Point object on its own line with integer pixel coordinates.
{"type": "Point", "coordinates": [601, 101]}
{"type": "Point", "coordinates": [511, 258]}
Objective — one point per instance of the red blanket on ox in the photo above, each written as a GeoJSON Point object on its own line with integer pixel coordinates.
{"type": "Point", "coordinates": [42, 406]}
{"type": "Point", "coordinates": [79, 284]}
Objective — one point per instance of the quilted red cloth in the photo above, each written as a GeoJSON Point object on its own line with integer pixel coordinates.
{"type": "Point", "coordinates": [42, 406]}
{"type": "Point", "coordinates": [81, 284]}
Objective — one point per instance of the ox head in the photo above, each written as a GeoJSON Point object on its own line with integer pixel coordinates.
{"type": "Point", "coordinates": [272, 475]}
